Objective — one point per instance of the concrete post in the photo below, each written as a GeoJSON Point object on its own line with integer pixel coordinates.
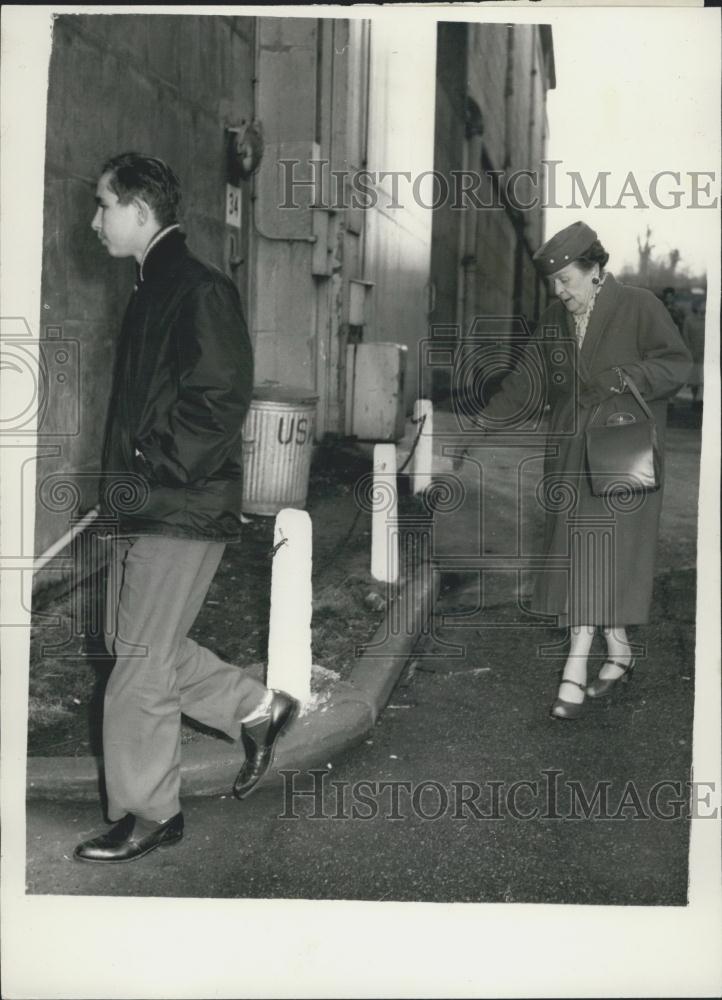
{"type": "Point", "coordinates": [289, 634]}
{"type": "Point", "coordinates": [422, 462]}
{"type": "Point", "coordinates": [384, 519]}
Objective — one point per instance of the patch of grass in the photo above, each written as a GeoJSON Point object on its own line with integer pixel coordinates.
{"type": "Point", "coordinates": [49, 711]}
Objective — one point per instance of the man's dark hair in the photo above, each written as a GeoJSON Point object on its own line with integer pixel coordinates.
{"type": "Point", "coordinates": [133, 175]}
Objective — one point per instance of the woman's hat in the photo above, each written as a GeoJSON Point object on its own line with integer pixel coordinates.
{"type": "Point", "coordinates": [564, 247]}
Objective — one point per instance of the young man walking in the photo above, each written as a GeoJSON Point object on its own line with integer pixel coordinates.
{"type": "Point", "coordinates": [182, 385]}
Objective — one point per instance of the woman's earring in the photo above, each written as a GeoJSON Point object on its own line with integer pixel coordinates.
{"type": "Point", "coordinates": [595, 281]}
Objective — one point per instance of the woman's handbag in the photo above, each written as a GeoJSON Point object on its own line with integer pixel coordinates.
{"type": "Point", "coordinates": [623, 453]}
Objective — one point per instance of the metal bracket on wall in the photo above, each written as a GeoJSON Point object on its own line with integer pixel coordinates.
{"type": "Point", "coordinates": [234, 259]}
{"type": "Point", "coordinates": [359, 301]}
{"type": "Point", "coordinates": [324, 260]}
{"type": "Point", "coordinates": [244, 150]}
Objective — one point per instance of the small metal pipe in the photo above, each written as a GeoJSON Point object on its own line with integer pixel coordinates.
{"type": "Point", "coordinates": [66, 539]}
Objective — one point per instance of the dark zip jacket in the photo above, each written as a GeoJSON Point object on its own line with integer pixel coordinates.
{"type": "Point", "coordinates": [172, 457]}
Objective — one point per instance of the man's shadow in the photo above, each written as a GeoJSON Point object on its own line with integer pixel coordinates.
{"type": "Point", "coordinates": [100, 661]}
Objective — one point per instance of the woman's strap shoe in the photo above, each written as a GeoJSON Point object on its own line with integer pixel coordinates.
{"type": "Point", "coordinates": [562, 709]}
{"type": "Point", "coordinates": [601, 687]}
{"type": "Point", "coordinates": [127, 841]}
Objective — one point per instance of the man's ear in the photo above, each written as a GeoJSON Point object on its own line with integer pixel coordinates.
{"type": "Point", "coordinates": [143, 210]}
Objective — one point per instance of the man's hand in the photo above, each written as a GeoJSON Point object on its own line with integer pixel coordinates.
{"type": "Point", "coordinates": [141, 463]}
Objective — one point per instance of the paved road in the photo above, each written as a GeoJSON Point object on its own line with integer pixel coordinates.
{"type": "Point", "coordinates": [479, 719]}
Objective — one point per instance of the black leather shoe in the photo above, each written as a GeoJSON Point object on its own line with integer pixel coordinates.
{"type": "Point", "coordinates": [123, 843]}
{"type": "Point", "coordinates": [259, 742]}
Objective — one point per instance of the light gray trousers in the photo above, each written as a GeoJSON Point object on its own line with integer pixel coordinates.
{"type": "Point", "coordinates": [156, 587]}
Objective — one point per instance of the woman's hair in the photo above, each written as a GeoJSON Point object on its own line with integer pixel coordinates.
{"type": "Point", "coordinates": [596, 254]}
{"type": "Point", "coordinates": [133, 175]}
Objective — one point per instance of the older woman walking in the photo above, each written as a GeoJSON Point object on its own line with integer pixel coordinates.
{"type": "Point", "coordinates": [599, 551]}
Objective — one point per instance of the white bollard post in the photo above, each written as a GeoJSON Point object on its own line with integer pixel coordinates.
{"type": "Point", "coordinates": [384, 519]}
{"type": "Point", "coordinates": [422, 464]}
{"type": "Point", "coordinates": [289, 633]}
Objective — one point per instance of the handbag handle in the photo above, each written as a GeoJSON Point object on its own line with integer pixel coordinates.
{"type": "Point", "coordinates": [630, 384]}
{"type": "Point", "coordinates": [638, 396]}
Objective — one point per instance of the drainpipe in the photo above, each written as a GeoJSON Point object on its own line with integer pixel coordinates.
{"type": "Point", "coordinates": [461, 263]}
{"type": "Point", "coordinates": [367, 34]}
{"type": "Point", "coordinates": [473, 133]}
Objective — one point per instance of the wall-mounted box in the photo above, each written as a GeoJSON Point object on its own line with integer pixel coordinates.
{"type": "Point", "coordinates": [359, 301]}
{"type": "Point", "coordinates": [375, 377]}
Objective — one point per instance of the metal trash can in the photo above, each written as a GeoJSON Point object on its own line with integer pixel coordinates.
{"type": "Point", "coordinates": [278, 438]}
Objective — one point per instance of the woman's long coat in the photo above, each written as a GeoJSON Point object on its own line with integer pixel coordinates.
{"type": "Point", "coordinates": [598, 552]}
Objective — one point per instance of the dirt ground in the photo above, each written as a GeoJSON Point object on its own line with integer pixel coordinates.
{"type": "Point", "coordinates": [68, 663]}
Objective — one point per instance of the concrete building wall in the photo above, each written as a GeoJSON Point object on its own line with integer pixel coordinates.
{"type": "Point", "coordinates": [448, 146]}
{"type": "Point", "coordinates": [152, 83]}
{"type": "Point", "coordinates": [172, 85]}
{"type": "Point", "coordinates": [398, 241]}
{"type": "Point", "coordinates": [507, 72]}
{"type": "Point", "coordinates": [318, 70]}
{"type": "Point", "coordinates": [486, 83]}
{"type": "Point", "coordinates": [353, 103]}
{"type": "Point", "coordinates": [519, 154]}
{"type": "Point", "coordinates": [283, 313]}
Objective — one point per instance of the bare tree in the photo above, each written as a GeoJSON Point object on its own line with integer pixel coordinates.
{"type": "Point", "coordinates": [645, 252]}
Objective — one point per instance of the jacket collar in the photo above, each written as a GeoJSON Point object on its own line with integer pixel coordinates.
{"type": "Point", "coordinates": [165, 247]}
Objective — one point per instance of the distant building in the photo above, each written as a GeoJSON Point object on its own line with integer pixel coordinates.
{"type": "Point", "coordinates": [492, 83]}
